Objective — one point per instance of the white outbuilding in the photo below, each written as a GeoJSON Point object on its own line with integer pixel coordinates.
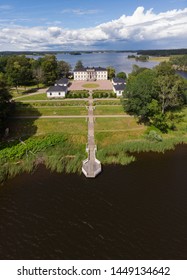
{"type": "Point", "coordinates": [57, 91]}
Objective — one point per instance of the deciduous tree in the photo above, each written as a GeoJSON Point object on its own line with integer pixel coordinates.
{"type": "Point", "coordinates": [155, 95]}
{"type": "Point", "coordinates": [63, 69]}
{"type": "Point", "coordinates": [121, 75]}
{"type": "Point", "coordinates": [111, 72]}
{"type": "Point", "coordinates": [79, 65]}
{"type": "Point", "coordinates": [49, 68]}
{"type": "Point", "coordinates": [18, 71]}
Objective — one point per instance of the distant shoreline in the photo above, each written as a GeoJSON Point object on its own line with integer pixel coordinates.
{"type": "Point", "coordinates": [157, 52]}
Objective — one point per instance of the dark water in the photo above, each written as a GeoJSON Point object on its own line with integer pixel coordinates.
{"type": "Point", "coordinates": [133, 212]}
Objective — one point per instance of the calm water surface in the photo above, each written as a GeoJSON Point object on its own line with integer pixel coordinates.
{"type": "Point", "coordinates": [117, 60]}
{"type": "Point", "coordinates": [133, 212]}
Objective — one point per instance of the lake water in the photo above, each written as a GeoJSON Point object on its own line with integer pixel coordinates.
{"type": "Point", "coordinates": [133, 212]}
{"type": "Point", "coordinates": [117, 60]}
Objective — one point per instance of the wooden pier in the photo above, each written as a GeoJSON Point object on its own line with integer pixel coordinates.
{"type": "Point", "coordinates": [91, 166]}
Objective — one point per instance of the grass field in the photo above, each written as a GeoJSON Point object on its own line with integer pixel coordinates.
{"type": "Point", "coordinates": [38, 96]}
{"type": "Point", "coordinates": [90, 85]}
{"type": "Point", "coordinates": [25, 90]}
{"type": "Point", "coordinates": [59, 111]}
{"type": "Point", "coordinates": [64, 102]}
{"type": "Point", "coordinates": [35, 127]}
{"type": "Point", "coordinates": [159, 58]}
{"type": "Point", "coordinates": [107, 102]}
{"type": "Point", "coordinates": [109, 110]}
{"type": "Point", "coordinates": [116, 130]}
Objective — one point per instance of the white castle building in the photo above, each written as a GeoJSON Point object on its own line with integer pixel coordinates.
{"type": "Point", "coordinates": [90, 74]}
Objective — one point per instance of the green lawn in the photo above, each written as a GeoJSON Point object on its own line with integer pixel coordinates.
{"type": "Point", "coordinates": [24, 90]}
{"type": "Point", "coordinates": [90, 85]}
{"type": "Point", "coordinates": [115, 130]}
{"type": "Point", "coordinates": [109, 110]}
{"type": "Point", "coordinates": [62, 111]}
{"type": "Point", "coordinates": [107, 102]}
{"type": "Point", "coordinates": [40, 96]}
{"type": "Point", "coordinates": [64, 102]}
{"type": "Point", "coordinates": [76, 128]}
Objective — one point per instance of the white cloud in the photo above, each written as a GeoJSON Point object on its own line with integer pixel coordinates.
{"type": "Point", "coordinates": [142, 26]}
{"type": "Point", "coordinates": [79, 12]}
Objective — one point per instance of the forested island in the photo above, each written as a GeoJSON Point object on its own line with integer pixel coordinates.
{"type": "Point", "coordinates": [154, 99]}
{"type": "Point", "coordinates": [143, 58]}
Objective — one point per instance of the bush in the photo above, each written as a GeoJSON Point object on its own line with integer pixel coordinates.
{"type": "Point", "coordinates": [78, 94]}
{"type": "Point", "coordinates": [154, 136]}
{"type": "Point", "coordinates": [103, 94]}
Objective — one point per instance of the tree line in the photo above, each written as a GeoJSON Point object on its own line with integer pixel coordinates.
{"type": "Point", "coordinates": [165, 52]}
{"type": "Point", "coordinates": [19, 70]}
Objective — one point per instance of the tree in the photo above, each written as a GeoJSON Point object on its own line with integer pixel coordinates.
{"type": "Point", "coordinates": [37, 71]}
{"type": "Point", "coordinates": [136, 70]}
{"type": "Point", "coordinates": [63, 69]}
{"type": "Point", "coordinates": [154, 95]}
{"type": "Point", "coordinates": [18, 71]}
{"type": "Point", "coordinates": [122, 75]}
{"type": "Point", "coordinates": [79, 65]}
{"type": "Point", "coordinates": [170, 92]}
{"type": "Point", "coordinates": [3, 63]}
{"type": "Point", "coordinates": [5, 97]}
{"type": "Point", "coordinates": [111, 72]}
{"type": "Point", "coordinates": [49, 68]}
{"type": "Point", "coordinates": [139, 91]}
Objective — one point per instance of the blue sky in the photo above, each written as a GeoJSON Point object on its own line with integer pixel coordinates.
{"type": "Point", "coordinates": [92, 24]}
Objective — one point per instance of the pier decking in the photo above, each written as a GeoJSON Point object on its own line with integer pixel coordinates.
{"type": "Point", "coordinates": [91, 166]}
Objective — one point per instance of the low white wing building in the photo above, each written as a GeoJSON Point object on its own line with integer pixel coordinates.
{"type": "Point", "coordinates": [57, 91]}
{"type": "Point", "coordinates": [119, 85]}
{"type": "Point", "coordinates": [90, 74]}
{"type": "Point", "coordinates": [60, 89]}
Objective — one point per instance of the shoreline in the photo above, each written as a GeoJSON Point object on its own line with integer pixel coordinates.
{"type": "Point", "coordinates": [71, 162]}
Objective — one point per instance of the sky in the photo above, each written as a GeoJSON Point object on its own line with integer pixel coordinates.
{"type": "Point", "coordinates": [68, 25]}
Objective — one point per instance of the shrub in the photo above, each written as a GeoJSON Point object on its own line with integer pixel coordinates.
{"type": "Point", "coordinates": [154, 136]}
